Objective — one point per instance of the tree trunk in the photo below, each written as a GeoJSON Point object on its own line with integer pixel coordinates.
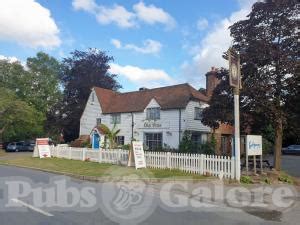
{"type": "Point", "coordinates": [278, 144]}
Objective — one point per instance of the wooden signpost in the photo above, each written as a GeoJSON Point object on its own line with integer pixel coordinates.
{"type": "Point", "coordinates": [254, 148]}
{"type": "Point", "coordinates": [136, 155]}
{"type": "Point", "coordinates": [235, 82]}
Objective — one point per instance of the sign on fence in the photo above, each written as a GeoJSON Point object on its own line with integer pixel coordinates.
{"type": "Point", "coordinates": [136, 155]}
{"type": "Point", "coordinates": [42, 145]}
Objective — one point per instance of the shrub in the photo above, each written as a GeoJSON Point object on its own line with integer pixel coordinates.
{"type": "Point", "coordinates": [285, 178]}
{"type": "Point", "coordinates": [246, 180]}
{"type": "Point", "coordinates": [188, 146]}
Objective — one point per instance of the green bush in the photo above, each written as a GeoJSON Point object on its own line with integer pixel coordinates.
{"type": "Point", "coordinates": [246, 180]}
{"type": "Point", "coordinates": [188, 146]}
{"type": "Point", "coordinates": [285, 178]}
{"type": "Point", "coordinates": [267, 146]}
{"type": "Point", "coordinates": [267, 180]}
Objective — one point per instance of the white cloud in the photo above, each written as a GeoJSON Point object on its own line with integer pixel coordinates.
{"type": "Point", "coordinates": [28, 23]}
{"type": "Point", "coordinates": [116, 43]}
{"type": "Point", "coordinates": [151, 14]}
{"type": "Point", "coordinates": [143, 77]}
{"type": "Point", "coordinates": [149, 46]}
{"type": "Point", "coordinates": [116, 14]}
{"type": "Point", "coordinates": [202, 24]}
{"type": "Point", "coordinates": [10, 59]}
{"type": "Point", "coordinates": [211, 48]}
{"type": "Point", "coordinates": [119, 15]}
{"type": "Point", "coordinates": [87, 5]}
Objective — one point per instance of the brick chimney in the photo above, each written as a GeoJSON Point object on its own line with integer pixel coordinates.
{"type": "Point", "coordinates": [211, 81]}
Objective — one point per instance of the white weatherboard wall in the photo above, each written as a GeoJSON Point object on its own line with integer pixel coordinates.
{"type": "Point", "coordinates": [191, 123]}
{"type": "Point", "coordinates": [169, 122]}
{"type": "Point", "coordinates": [91, 112]}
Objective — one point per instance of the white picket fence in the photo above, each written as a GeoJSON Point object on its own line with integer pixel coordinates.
{"type": "Point", "coordinates": [220, 166]}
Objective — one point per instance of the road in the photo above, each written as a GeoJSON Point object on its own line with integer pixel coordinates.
{"type": "Point", "coordinates": [290, 164]}
{"type": "Point", "coordinates": [153, 209]}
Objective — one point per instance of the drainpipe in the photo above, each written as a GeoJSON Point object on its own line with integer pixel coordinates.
{"type": "Point", "coordinates": [132, 125]}
{"type": "Point", "coordinates": [179, 127]}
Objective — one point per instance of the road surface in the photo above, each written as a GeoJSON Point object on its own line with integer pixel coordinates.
{"type": "Point", "coordinates": [183, 211]}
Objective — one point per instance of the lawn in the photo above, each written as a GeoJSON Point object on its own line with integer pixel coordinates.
{"type": "Point", "coordinates": [94, 169]}
{"type": "Point", "coordinates": [2, 152]}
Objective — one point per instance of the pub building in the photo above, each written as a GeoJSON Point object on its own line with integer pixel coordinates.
{"type": "Point", "coordinates": [158, 117]}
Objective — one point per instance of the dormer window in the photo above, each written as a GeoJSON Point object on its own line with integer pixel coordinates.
{"type": "Point", "coordinates": [153, 113]}
{"type": "Point", "coordinates": [115, 118]}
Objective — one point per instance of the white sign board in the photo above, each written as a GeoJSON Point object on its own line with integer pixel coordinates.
{"type": "Point", "coordinates": [139, 156]}
{"type": "Point", "coordinates": [43, 147]}
{"type": "Point", "coordinates": [254, 145]}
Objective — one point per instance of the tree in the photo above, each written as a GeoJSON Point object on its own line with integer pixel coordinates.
{"type": "Point", "coordinates": [110, 134]}
{"type": "Point", "coordinates": [44, 72]}
{"type": "Point", "coordinates": [268, 43]}
{"type": "Point", "coordinates": [18, 120]}
{"type": "Point", "coordinates": [38, 84]}
{"type": "Point", "coordinates": [81, 71]}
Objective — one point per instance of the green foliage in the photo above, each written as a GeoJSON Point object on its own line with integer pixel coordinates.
{"type": "Point", "coordinates": [188, 146]}
{"type": "Point", "coordinates": [267, 146]}
{"type": "Point", "coordinates": [126, 147]}
{"type": "Point", "coordinates": [246, 180]}
{"type": "Point", "coordinates": [285, 178]}
{"type": "Point", "coordinates": [110, 134]}
{"type": "Point", "coordinates": [86, 144]}
{"type": "Point", "coordinates": [38, 85]}
{"type": "Point", "coordinates": [18, 120]}
{"type": "Point", "coordinates": [82, 71]}
{"type": "Point", "coordinates": [267, 180]}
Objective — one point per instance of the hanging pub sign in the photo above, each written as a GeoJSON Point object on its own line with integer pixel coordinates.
{"type": "Point", "coordinates": [234, 68]}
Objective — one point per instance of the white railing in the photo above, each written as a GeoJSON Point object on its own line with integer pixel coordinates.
{"type": "Point", "coordinates": [213, 165]}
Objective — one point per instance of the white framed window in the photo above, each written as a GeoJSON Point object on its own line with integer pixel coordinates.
{"type": "Point", "coordinates": [198, 113]}
{"type": "Point", "coordinates": [98, 121]}
{"type": "Point", "coordinates": [153, 140]}
{"type": "Point", "coordinates": [153, 113]}
{"type": "Point", "coordinates": [115, 118]}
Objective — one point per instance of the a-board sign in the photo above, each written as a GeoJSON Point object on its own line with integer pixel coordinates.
{"type": "Point", "coordinates": [137, 156]}
{"type": "Point", "coordinates": [254, 145]}
{"type": "Point", "coordinates": [43, 147]}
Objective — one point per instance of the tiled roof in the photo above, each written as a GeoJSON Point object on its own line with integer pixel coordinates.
{"type": "Point", "coordinates": [170, 97]}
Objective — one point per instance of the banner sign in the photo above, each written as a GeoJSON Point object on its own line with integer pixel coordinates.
{"type": "Point", "coordinates": [234, 68]}
{"type": "Point", "coordinates": [138, 155]}
{"type": "Point", "coordinates": [43, 147]}
{"type": "Point", "coordinates": [254, 145]}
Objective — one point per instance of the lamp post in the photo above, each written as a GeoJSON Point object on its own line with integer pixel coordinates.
{"type": "Point", "coordinates": [235, 82]}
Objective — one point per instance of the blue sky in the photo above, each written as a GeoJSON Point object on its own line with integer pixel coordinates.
{"type": "Point", "coordinates": [154, 42]}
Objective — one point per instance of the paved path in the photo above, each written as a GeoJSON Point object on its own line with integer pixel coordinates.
{"type": "Point", "coordinates": [35, 214]}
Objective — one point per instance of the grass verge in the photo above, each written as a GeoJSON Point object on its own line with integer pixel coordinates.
{"type": "Point", "coordinates": [2, 152]}
{"type": "Point", "coordinates": [94, 169]}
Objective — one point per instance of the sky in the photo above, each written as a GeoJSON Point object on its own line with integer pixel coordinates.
{"type": "Point", "coordinates": [154, 42]}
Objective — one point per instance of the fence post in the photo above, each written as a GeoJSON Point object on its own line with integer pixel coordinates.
{"type": "Point", "coordinates": [83, 154]}
{"type": "Point", "coordinates": [70, 153]}
{"type": "Point", "coordinates": [201, 164]}
{"type": "Point", "coordinates": [169, 160]}
{"type": "Point", "coordinates": [100, 156]}
{"type": "Point", "coordinates": [232, 167]}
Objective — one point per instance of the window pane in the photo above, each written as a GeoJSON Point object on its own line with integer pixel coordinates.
{"type": "Point", "coordinates": [153, 140]}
